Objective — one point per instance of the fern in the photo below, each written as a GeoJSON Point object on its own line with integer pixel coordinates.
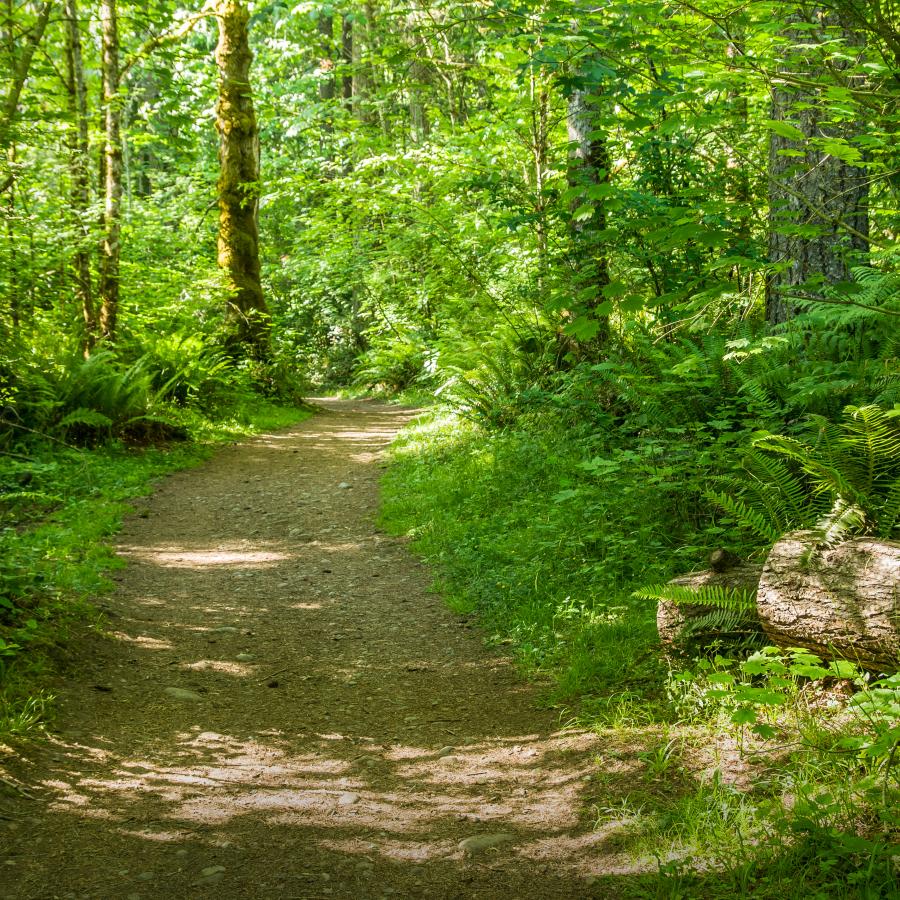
{"type": "Point", "coordinates": [845, 484]}
{"type": "Point", "coordinates": [729, 599]}
{"type": "Point", "coordinates": [753, 519]}
{"type": "Point", "coordinates": [722, 623]}
{"type": "Point", "coordinates": [84, 416]}
{"type": "Point", "coordinates": [889, 513]}
{"type": "Point", "coordinates": [732, 611]}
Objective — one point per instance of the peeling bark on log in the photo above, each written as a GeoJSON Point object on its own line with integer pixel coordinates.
{"type": "Point", "coordinates": [842, 601]}
{"type": "Point", "coordinates": [672, 618]}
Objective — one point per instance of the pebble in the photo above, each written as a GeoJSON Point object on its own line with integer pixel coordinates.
{"type": "Point", "coordinates": [145, 876]}
{"type": "Point", "coordinates": [211, 875]}
{"type": "Point", "coordinates": [348, 799]}
{"type": "Point", "coordinates": [478, 843]}
{"type": "Point", "coordinates": [344, 485]}
{"type": "Point", "coordinates": [182, 694]}
{"type": "Point", "coordinates": [244, 657]}
{"type": "Point", "coordinates": [445, 751]}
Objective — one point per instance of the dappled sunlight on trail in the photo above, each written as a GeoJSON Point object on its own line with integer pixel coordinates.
{"type": "Point", "coordinates": [280, 707]}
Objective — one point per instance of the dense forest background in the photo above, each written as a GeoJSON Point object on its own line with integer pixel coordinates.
{"type": "Point", "coordinates": [642, 255]}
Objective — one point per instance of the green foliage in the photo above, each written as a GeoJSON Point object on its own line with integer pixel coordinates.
{"type": "Point", "coordinates": [731, 618]}
{"type": "Point", "coordinates": [847, 482]}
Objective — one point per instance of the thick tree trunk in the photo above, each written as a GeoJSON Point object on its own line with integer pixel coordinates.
{"type": "Point", "coordinates": [79, 162]}
{"type": "Point", "coordinates": [110, 250]}
{"type": "Point", "coordinates": [842, 602]}
{"type": "Point", "coordinates": [239, 183]}
{"type": "Point", "coordinates": [814, 190]}
{"type": "Point", "coordinates": [674, 620]}
{"type": "Point", "coordinates": [589, 168]}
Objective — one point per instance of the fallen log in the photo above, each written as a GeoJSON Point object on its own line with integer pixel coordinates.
{"type": "Point", "coordinates": [676, 622]}
{"type": "Point", "coordinates": [839, 602]}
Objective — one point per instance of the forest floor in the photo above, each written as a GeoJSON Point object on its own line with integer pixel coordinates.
{"type": "Point", "coordinates": [279, 706]}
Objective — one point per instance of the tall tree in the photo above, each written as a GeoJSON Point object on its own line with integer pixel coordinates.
{"type": "Point", "coordinates": [20, 65]}
{"type": "Point", "coordinates": [818, 195]}
{"type": "Point", "coordinates": [111, 247]}
{"type": "Point", "coordinates": [238, 185]}
{"type": "Point", "coordinates": [78, 162]}
{"type": "Point", "coordinates": [589, 172]}
{"type": "Point", "coordinates": [347, 60]}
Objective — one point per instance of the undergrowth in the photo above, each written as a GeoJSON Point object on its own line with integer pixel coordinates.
{"type": "Point", "coordinates": [550, 508]}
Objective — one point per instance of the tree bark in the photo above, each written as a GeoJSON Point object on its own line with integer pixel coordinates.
{"type": "Point", "coordinates": [110, 250]}
{"type": "Point", "coordinates": [326, 58]}
{"type": "Point", "coordinates": [589, 168]}
{"type": "Point", "coordinates": [673, 618]}
{"type": "Point", "coordinates": [20, 70]}
{"type": "Point", "coordinates": [815, 190]}
{"type": "Point", "coordinates": [840, 602]}
{"type": "Point", "coordinates": [238, 184]}
{"type": "Point", "coordinates": [347, 61]}
{"type": "Point", "coordinates": [79, 162]}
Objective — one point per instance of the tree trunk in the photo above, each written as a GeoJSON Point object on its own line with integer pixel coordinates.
{"type": "Point", "coordinates": [673, 620]}
{"type": "Point", "coordinates": [347, 61]}
{"type": "Point", "coordinates": [19, 74]}
{"type": "Point", "coordinates": [589, 169]}
{"type": "Point", "coordinates": [840, 602]}
{"type": "Point", "coordinates": [238, 185]}
{"type": "Point", "coordinates": [79, 162]}
{"type": "Point", "coordinates": [813, 190]}
{"type": "Point", "coordinates": [539, 92]}
{"type": "Point", "coordinates": [326, 58]}
{"type": "Point", "coordinates": [110, 250]}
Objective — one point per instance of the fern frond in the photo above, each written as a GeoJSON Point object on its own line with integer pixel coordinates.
{"type": "Point", "coordinates": [777, 477]}
{"type": "Point", "coordinates": [746, 516]}
{"type": "Point", "coordinates": [737, 600]}
{"type": "Point", "coordinates": [826, 478]}
{"type": "Point", "coordinates": [844, 520]}
{"type": "Point", "coordinates": [721, 622]}
{"type": "Point", "coordinates": [889, 513]}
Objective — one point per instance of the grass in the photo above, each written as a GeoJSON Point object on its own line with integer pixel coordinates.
{"type": "Point", "coordinates": [545, 549]}
{"type": "Point", "coordinates": [60, 506]}
{"type": "Point", "coordinates": [483, 508]}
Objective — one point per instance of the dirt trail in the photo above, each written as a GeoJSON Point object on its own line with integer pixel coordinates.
{"type": "Point", "coordinates": [284, 710]}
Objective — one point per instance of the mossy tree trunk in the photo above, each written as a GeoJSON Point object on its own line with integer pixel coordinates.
{"type": "Point", "coordinates": [79, 150]}
{"type": "Point", "coordinates": [589, 167]}
{"type": "Point", "coordinates": [238, 185]}
{"type": "Point", "coordinates": [110, 248]}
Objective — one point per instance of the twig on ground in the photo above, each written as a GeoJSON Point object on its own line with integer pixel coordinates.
{"type": "Point", "coordinates": [16, 788]}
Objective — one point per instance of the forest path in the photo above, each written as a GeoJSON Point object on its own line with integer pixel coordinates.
{"type": "Point", "coordinates": [283, 709]}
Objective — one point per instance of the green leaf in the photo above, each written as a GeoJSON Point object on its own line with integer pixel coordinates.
{"type": "Point", "coordinates": [842, 668]}
{"type": "Point", "coordinates": [767, 732]}
{"type": "Point", "coordinates": [785, 129]}
{"type": "Point", "coordinates": [582, 328]}
{"type": "Point", "coordinates": [583, 213]}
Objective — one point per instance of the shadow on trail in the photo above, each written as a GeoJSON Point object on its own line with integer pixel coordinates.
{"type": "Point", "coordinates": [281, 708]}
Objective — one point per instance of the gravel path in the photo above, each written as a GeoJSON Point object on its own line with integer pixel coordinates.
{"type": "Point", "coordinates": [281, 708]}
